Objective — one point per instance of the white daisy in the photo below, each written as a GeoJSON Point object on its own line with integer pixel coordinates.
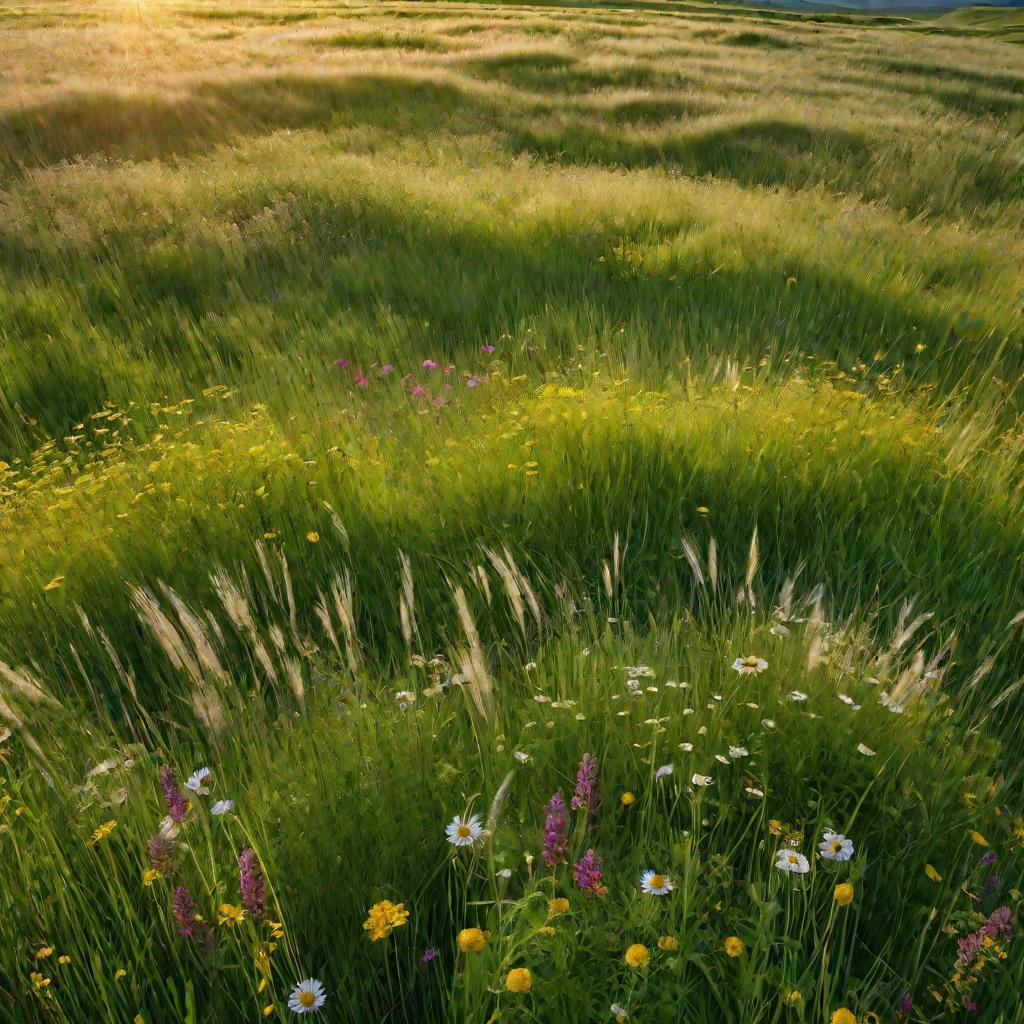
{"type": "Point", "coordinates": [797, 695]}
{"type": "Point", "coordinates": [654, 884]}
{"type": "Point", "coordinates": [768, 723]}
{"type": "Point", "coordinates": [738, 752]}
{"type": "Point", "coordinates": [665, 769]}
{"type": "Point", "coordinates": [722, 759]}
{"type": "Point", "coordinates": [223, 807]}
{"type": "Point", "coordinates": [619, 1012]}
{"type": "Point", "coordinates": [866, 751]}
{"type": "Point", "coordinates": [750, 665]}
{"type": "Point", "coordinates": [835, 846]}
{"type": "Point", "coordinates": [702, 780]}
{"type": "Point", "coordinates": [307, 997]}
{"type": "Point", "coordinates": [886, 701]}
{"type": "Point", "coordinates": [464, 833]}
{"type": "Point", "coordinates": [168, 828]}
{"type": "Point", "coordinates": [521, 756]}
{"type": "Point", "coordinates": [200, 781]}
{"type": "Point", "coordinates": [849, 702]}
{"type": "Point", "coordinates": [792, 861]}
{"type": "Point", "coordinates": [686, 748]}
{"type": "Point", "coordinates": [753, 791]}
{"type": "Point", "coordinates": [504, 873]}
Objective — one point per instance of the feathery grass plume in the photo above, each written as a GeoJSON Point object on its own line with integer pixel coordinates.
{"type": "Point", "coordinates": [125, 676]}
{"type": "Point", "coordinates": [339, 526]}
{"type": "Point", "coordinates": [479, 576]}
{"type": "Point", "coordinates": [496, 805]}
{"type": "Point", "coordinates": [26, 685]}
{"type": "Point", "coordinates": [473, 665]}
{"type": "Point", "coordinates": [289, 594]}
{"type": "Point", "coordinates": [236, 606]}
{"type": "Point", "coordinates": [407, 603]}
{"type": "Point", "coordinates": [193, 627]}
{"type": "Point", "coordinates": [690, 553]}
{"type": "Point", "coordinates": [511, 584]}
{"type": "Point", "coordinates": [344, 607]}
{"type": "Point", "coordinates": [268, 574]}
{"type": "Point", "coordinates": [17, 724]}
{"type": "Point", "coordinates": [165, 633]}
{"type": "Point", "coordinates": [323, 613]}
{"type": "Point", "coordinates": [713, 563]}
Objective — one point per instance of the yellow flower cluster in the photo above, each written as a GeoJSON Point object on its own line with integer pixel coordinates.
{"type": "Point", "coordinates": [383, 918]}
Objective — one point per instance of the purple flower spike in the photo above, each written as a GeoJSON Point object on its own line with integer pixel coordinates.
{"type": "Point", "coordinates": [343, 363]}
{"type": "Point", "coordinates": [185, 912]}
{"type": "Point", "coordinates": [586, 786]}
{"type": "Point", "coordinates": [556, 836]}
{"type": "Point", "coordinates": [250, 881]}
{"type": "Point", "coordinates": [588, 874]}
{"type": "Point", "coordinates": [177, 805]}
{"type": "Point", "coordinates": [429, 954]}
{"type": "Point", "coordinates": [160, 850]}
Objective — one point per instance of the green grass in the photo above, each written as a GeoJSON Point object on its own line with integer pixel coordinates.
{"type": "Point", "coordinates": [379, 382]}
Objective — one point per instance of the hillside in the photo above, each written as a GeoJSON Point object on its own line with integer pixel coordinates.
{"type": "Point", "coordinates": [412, 410]}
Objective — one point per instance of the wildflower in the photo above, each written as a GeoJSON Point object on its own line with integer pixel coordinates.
{"type": "Point", "coordinates": [835, 846]}
{"type": "Point", "coordinates": [792, 861]}
{"type": "Point", "coordinates": [39, 982]}
{"type": "Point", "coordinates": [343, 363]}
{"type": "Point", "coordinates": [361, 379]}
{"type": "Point", "coordinates": [556, 838]}
{"type": "Point", "coordinates": [654, 884]}
{"type": "Point", "coordinates": [866, 751]}
{"type": "Point", "coordinates": [200, 781]}
{"type": "Point", "coordinates": [185, 913]}
{"type": "Point", "coordinates": [160, 850]}
{"type": "Point", "coordinates": [932, 873]}
{"type": "Point", "coordinates": [64, 960]}
{"type": "Point", "coordinates": [386, 369]}
{"type": "Point", "coordinates": [559, 905]}
{"type": "Point", "coordinates": [978, 838]}
{"type": "Point", "coordinates": [464, 833]}
{"type": "Point", "coordinates": [307, 997]}
{"type": "Point", "coordinates": [518, 979]}
{"type": "Point", "coordinates": [521, 756]}
{"type": "Point", "coordinates": [749, 665]}
{"type": "Point", "coordinates": [797, 695]}
{"type": "Point", "coordinates": [753, 791]}
{"type": "Point", "coordinates": [250, 881]}
{"type": "Point", "coordinates": [230, 915]}
{"type": "Point", "coordinates": [668, 943]}
{"type": "Point", "coordinates": [702, 781]}
{"type": "Point", "coordinates": [587, 873]}
{"type": "Point", "coordinates": [843, 1016]}
{"type": "Point", "coordinates": [686, 748]}
{"type": "Point", "coordinates": [223, 807]}
{"type": "Point", "coordinates": [586, 786]}
{"type": "Point", "coordinates": [637, 956]}
{"type": "Point", "coordinates": [429, 954]}
{"type": "Point", "coordinates": [487, 349]}
{"type": "Point", "coordinates": [627, 798]}
{"type": "Point", "coordinates": [383, 918]}
{"type": "Point", "coordinates": [768, 723]}
{"type": "Point", "coordinates": [733, 946]}
{"type": "Point", "coordinates": [103, 832]}
{"type": "Point", "coordinates": [150, 876]}
{"type": "Point", "coordinates": [664, 770]}
{"type": "Point", "coordinates": [45, 952]}
{"type": "Point", "coordinates": [722, 759]}
{"type": "Point", "coordinates": [471, 940]}
{"type": "Point", "coordinates": [429, 364]}
{"type": "Point", "coordinates": [619, 1012]}
{"type": "Point", "coordinates": [843, 894]}
{"type": "Point", "coordinates": [313, 537]}
{"type": "Point", "coordinates": [792, 997]}
{"type": "Point", "coordinates": [177, 805]}
{"type": "Point", "coordinates": [735, 752]}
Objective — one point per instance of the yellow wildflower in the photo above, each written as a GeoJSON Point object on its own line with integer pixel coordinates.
{"type": "Point", "coordinates": [668, 942]}
{"type": "Point", "coordinates": [843, 894]}
{"type": "Point", "coordinates": [518, 979]}
{"type": "Point", "coordinates": [230, 915]}
{"type": "Point", "coordinates": [39, 981]}
{"type": "Point", "coordinates": [627, 798]}
{"type": "Point", "coordinates": [150, 876]}
{"type": "Point", "coordinates": [471, 940]}
{"type": "Point", "coordinates": [102, 832]}
{"type": "Point", "coordinates": [44, 952]}
{"type": "Point", "coordinates": [64, 960]}
{"type": "Point", "coordinates": [978, 838]}
{"type": "Point", "coordinates": [383, 918]}
{"type": "Point", "coordinates": [843, 1016]}
{"type": "Point", "coordinates": [932, 873]}
{"type": "Point", "coordinates": [733, 946]}
{"type": "Point", "coordinates": [559, 905]}
{"type": "Point", "coordinates": [637, 955]}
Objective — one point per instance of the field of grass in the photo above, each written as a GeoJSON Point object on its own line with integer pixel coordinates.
{"type": "Point", "coordinates": [421, 409]}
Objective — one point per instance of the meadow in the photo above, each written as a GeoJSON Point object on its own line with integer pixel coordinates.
{"type": "Point", "coordinates": [510, 513]}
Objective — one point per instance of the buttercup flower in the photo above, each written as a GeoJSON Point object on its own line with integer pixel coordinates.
{"type": "Point", "coordinates": [792, 861]}
{"type": "Point", "coordinates": [307, 997]}
{"type": "Point", "coordinates": [733, 946]}
{"type": "Point", "coordinates": [383, 918]}
{"type": "Point", "coordinates": [843, 894]}
{"type": "Point", "coordinates": [749, 665]}
{"type": "Point", "coordinates": [668, 943]}
{"type": "Point", "coordinates": [230, 915]}
{"type": "Point", "coordinates": [518, 979]}
{"type": "Point", "coordinates": [464, 833]}
{"type": "Point", "coordinates": [835, 846]}
{"type": "Point", "coordinates": [654, 884]}
{"type": "Point", "coordinates": [471, 940]}
{"type": "Point", "coordinates": [637, 955]}
{"type": "Point", "coordinates": [627, 798]}
{"type": "Point", "coordinates": [843, 1016]}
{"type": "Point", "coordinates": [560, 905]}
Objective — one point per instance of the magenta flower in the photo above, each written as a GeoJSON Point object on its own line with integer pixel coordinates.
{"type": "Point", "coordinates": [386, 369]}
{"type": "Point", "coordinates": [586, 786]}
{"type": "Point", "coordinates": [588, 874]}
{"type": "Point", "coordinates": [418, 391]}
{"type": "Point", "coordinates": [250, 881]}
{"type": "Point", "coordinates": [429, 364]}
{"type": "Point", "coordinates": [360, 378]}
{"type": "Point", "coordinates": [343, 363]}
{"type": "Point", "coordinates": [472, 382]}
{"type": "Point", "coordinates": [440, 401]}
{"type": "Point", "coordinates": [177, 805]}
{"type": "Point", "coordinates": [448, 369]}
{"type": "Point", "coordinates": [488, 349]}
{"type": "Point", "coordinates": [160, 850]}
{"type": "Point", "coordinates": [556, 831]}
{"type": "Point", "coordinates": [429, 954]}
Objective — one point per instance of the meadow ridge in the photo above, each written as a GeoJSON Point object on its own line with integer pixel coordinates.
{"type": "Point", "coordinates": [511, 513]}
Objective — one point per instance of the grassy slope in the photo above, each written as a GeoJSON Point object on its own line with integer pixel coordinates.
{"type": "Point", "coordinates": [741, 269]}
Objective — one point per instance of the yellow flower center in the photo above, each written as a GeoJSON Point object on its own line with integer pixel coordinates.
{"type": "Point", "coordinates": [794, 859]}
{"type": "Point", "coordinates": [657, 881]}
{"type": "Point", "coordinates": [307, 999]}
{"type": "Point", "coordinates": [750, 660]}
{"type": "Point", "coordinates": [464, 831]}
{"type": "Point", "coordinates": [836, 846]}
